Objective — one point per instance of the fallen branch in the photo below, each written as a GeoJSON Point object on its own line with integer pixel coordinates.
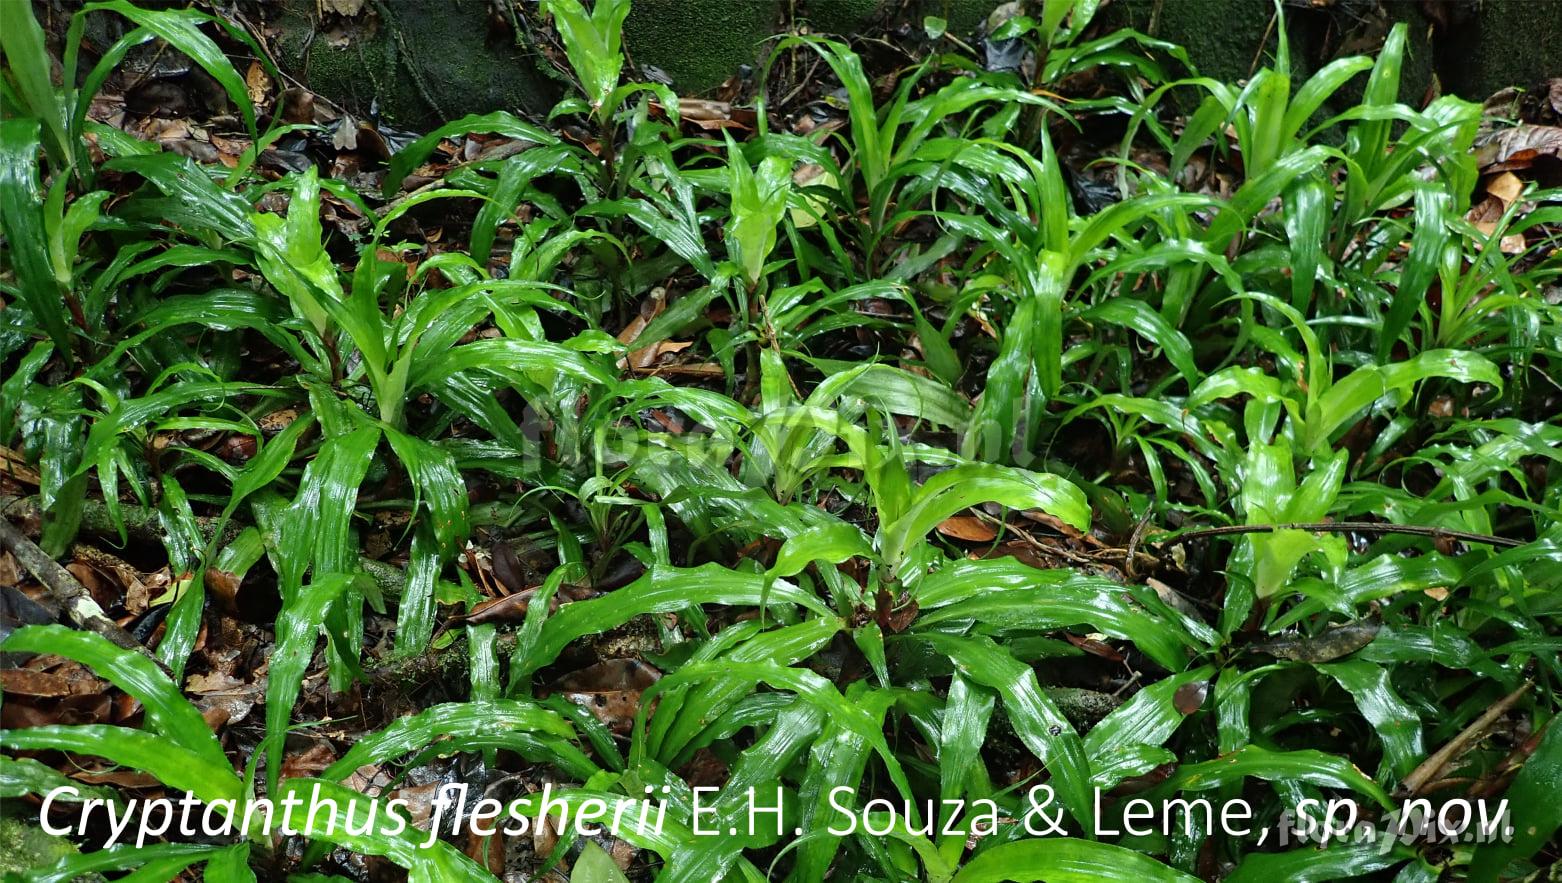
{"type": "Point", "coordinates": [448, 666]}
{"type": "Point", "coordinates": [72, 596]}
{"type": "Point", "coordinates": [1430, 768]}
{"type": "Point", "coordinates": [142, 524]}
{"type": "Point", "coordinates": [1367, 527]}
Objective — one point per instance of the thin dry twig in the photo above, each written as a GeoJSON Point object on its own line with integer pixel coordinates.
{"type": "Point", "coordinates": [1368, 527]}
{"type": "Point", "coordinates": [72, 596]}
{"type": "Point", "coordinates": [1442, 757]}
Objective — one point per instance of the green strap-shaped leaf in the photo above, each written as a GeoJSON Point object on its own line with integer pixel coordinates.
{"type": "Point", "coordinates": [1427, 241]}
{"type": "Point", "coordinates": [1313, 865]}
{"type": "Point", "coordinates": [750, 786]}
{"type": "Point", "coordinates": [970, 484]}
{"type": "Point", "coordinates": [595, 866]}
{"type": "Point", "coordinates": [1106, 605]}
{"type": "Point", "coordinates": [1148, 718]}
{"type": "Point", "coordinates": [27, 60]}
{"type": "Point", "coordinates": [661, 590]}
{"type": "Point", "coordinates": [20, 776]}
{"type": "Point", "coordinates": [167, 711]}
{"type": "Point", "coordinates": [685, 718]}
{"type": "Point", "coordinates": [1066, 860]}
{"type": "Point", "coordinates": [22, 221]}
{"type": "Point", "coordinates": [1037, 721]}
{"type": "Point", "coordinates": [230, 865]}
{"type": "Point", "coordinates": [998, 413]}
{"type": "Point", "coordinates": [1147, 323]}
{"type": "Point", "coordinates": [1309, 205]}
{"type": "Point", "coordinates": [963, 730]}
{"type": "Point", "coordinates": [172, 764]}
{"type": "Point", "coordinates": [168, 858]}
{"type": "Point", "coordinates": [1305, 765]}
{"type": "Point", "coordinates": [412, 733]}
{"type": "Point", "coordinates": [196, 201]}
{"type": "Point", "coordinates": [809, 686]}
{"type": "Point", "coordinates": [401, 844]}
{"type": "Point", "coordinates": [498, 123]}
{"type": "Point", "coordinates": [1397, 724]}
{"type": "Point", "coordinates": [1534, 809]}
{"type": "Point", "coordinates": [837, 759]}
{"type": "Point", "coordinates": [297, 632]}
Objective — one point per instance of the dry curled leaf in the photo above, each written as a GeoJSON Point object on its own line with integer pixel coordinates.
{"type": "Point", "coordinates": [1506, 187]}
{"type": "Point", "coordinates": [257, 83]}
{"type": "Point", "coordinates": [968, 528]}
{"type": "Point", "coordinates": [610, 690]}
{"type": "Point", "coordinates": [1095, 646]}
{"type": "Point", "coordinates": [309, 762]}
{"type": "Point", "coordinates": [1326, 646]}
{"type": "Point", "coordinates": [35, 684]}
{"type": "Point", "coordinates": [1518, 147]}
{"type": "Point", "coordinates": [1190, 697]}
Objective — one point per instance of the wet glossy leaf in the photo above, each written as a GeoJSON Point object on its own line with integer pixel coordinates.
{"type": "Point", "coordinates": [1397, 724]}
{"type": "Point", "coordinates": [167, 711]}
{"type": "Point", "coordinates": [1036, 720]}
{"type": "Point", "coordinates": [438, 862]}
{"type": "Point", "coordinates": [1065, 860]}
{"type": "Point", "coordinates": [1536, 814]}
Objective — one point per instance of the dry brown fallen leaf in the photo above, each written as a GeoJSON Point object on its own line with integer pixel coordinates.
{"type": "Point", "coordinates": [35, 684]}
{"type": "Point", "coordinates": [1190, 697]}
{"type": "Point", "coordinates": [1518, 147]}
{"type": "Point", "coordinates": [710, 115]}
{"type": "Point", "coordinates": [257, 83]}
{"type": "Point", "coordinates": [701, 369]}
{"type": "Point", "coordinates": [1095, 645]}
{"type": "Point", "coordinates": [968, 528]}
{"type": "Point", "coordinates": [647, 357]}
{"type": "Point", "coordinates": [1328, 645]}
{"type": "Point", "coordinates": [225, 586]}
{"type": "Point", "coordinates": [509, 608]}
{"type": "Point", "coordinates": [1484, 217]}
{"type": "Point", "coordinates": [10, 571]}
{"type": "Point", "coordinates": [119, 779]}
{"type": "Point", "coordinates": [12, 465]}
{"type": "Point", "coordinates": [1511, 244]}
{"type": "Point", "coordinates": [1506, 187]}
{"type": "Point", "coordinates": [309, 762]}
{"type": "Point", "coordinates": [610, 690]}
{"type": "Point", "coordinates": [223, 698]}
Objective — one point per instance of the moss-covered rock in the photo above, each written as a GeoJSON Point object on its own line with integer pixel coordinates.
{"type": "Point", "coordinates": [1473, 50]}
{"type": "Point", "coordinates": [1230, 40]}
{"type": "Point", "coordinates": [1224, 39]}
{"type": "Point", "coordinates": [965, 17]}
{"type": "Point", "coordinates": [1504, 43]}
{"type": "Point", "coordinates": [847, 17]}
{"type": "Point", "coordinates": [842, 16]}
{"type": "Point", "coordinates": [425, 61]}
{"type": "Point", "coordinates": [420, 61]}
{"type": "Point", "coordinates": [25, 847]}
{"type": "Point", "coordinates": [699, 43]}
